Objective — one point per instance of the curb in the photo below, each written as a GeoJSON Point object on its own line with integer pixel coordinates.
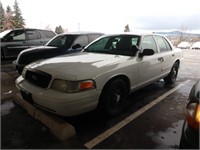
{"type": "Point", "coordinates": [61, 129]}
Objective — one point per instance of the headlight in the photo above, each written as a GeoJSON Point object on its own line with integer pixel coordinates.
{"type": "Point", "coordinates": [193, 115]}
{"type": "Point", "coordinates": [24, 72]}
{"type": "Point", "coordinates": [72, 86]}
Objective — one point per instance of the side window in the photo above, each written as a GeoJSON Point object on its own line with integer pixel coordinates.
{"type": "Point", "coordinates": [149, 43]}
{"type": "Point", "coordinates": [59, 41]}
{"type": "Point", "coordinates": [18, 35]}
{"type": "Point", "coordinates": [39, 35]}
{"type": "Point", "coordinates": [32, 35]}
{"type": "Point", "coordinates": [48, 34]}
{"type": "Point", "coordinates": [92, 37]}
{"type": "Point", "coordinates": [163, 44]}
{"type": "Point", "coordinates": [167, 44]}
{"type": "Point", "coordinates": [82, 40]}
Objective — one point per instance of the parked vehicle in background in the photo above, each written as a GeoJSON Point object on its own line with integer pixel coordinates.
{"type": "Point", "coordinates": [101, 76]}
{"type": "Point", "coordinates": [59, 45]}
{"type": "Point", "coordinates": [190, 130]}
{"type": "Point", "coordinates": [196, 45]}
{"type": "Point", "coordinates": [14, 41]}
{"type": "Point", "coordinates": [184, 45]}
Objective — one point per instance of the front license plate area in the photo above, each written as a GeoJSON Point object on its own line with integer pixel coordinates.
{"type": "Point", "coordinates": [27, 96]}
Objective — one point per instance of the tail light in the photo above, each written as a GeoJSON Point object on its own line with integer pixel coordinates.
{"type": "Point", "coordinates": [193, 115]}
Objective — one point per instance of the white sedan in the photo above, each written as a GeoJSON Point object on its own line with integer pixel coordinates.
{"type": "Point", "coordinates": [101, 76]}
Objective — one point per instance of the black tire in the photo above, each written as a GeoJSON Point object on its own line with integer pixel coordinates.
{"type": "Point", "coordinates": [113, 98]}
{"type": "Point", "coordinates": [171, 78]}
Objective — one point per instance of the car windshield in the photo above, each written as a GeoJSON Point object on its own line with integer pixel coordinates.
{"type": "Point", "coordinates": [62, 41]}
{"type": "Point", "coordinates": [2, 34]}
{"type": "Point", "coordinates": [120, 45]}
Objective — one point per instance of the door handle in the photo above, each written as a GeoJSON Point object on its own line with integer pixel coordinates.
{"type": "Point", "coordinates": [161, 59]}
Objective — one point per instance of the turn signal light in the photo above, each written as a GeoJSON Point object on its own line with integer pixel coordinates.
{"type": "Point", "coordinates": [84, 85]}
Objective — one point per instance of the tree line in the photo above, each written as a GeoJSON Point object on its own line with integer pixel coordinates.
{"type": "Point", "coordinates": [12, 18]}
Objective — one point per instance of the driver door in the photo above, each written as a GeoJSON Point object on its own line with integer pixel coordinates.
{"type": "Point", "coordinates": [15, 43]}
{"type": "Point", "coordinates": [149, 66]}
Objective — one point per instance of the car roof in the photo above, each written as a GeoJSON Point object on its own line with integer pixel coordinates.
{"type": "Point", "coordinates": [81, 33]}
{"type": "Point", "coordinates": [132, 33]}
{"type": "Point", "coordinates": [30, 29]}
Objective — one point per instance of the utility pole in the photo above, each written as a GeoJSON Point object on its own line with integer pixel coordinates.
{"type": "Point", "coordinates": [78, 26]}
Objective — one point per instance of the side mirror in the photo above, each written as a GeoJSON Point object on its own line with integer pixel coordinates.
{"type": "Point", "coordinates": [146, 52]}
{"type": "Point", "coordinates": [76, 46]}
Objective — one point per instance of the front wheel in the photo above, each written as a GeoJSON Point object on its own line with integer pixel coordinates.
{"type": "Point", "coordinates": [114, 97]}
{"type": "Point", "coordinates": [171, 78]}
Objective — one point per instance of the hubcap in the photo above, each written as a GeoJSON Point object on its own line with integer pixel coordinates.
{"type": "Point", "coordinates": [116, 98]}
{"type": "Point", "coordinates": [174, 73]}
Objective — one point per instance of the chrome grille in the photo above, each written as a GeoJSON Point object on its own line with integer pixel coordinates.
{"type": "Point", "coordinates": [38, 78]}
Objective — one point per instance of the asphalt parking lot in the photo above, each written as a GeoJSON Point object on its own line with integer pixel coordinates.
{"type": "Point", "coordinates": [153, 117]}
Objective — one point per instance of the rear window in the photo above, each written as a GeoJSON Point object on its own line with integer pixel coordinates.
{"type": "Point", "coordinates": [48, 34]}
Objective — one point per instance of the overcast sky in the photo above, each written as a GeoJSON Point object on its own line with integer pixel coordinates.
{"type": "Point", "coordinates": [110, 15]}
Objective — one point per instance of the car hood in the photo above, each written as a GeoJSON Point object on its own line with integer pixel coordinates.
{"type": "Point", "coordinates": [39, 48]}
{"type": "Point", "coordinates": [41, 52]}
{"type": "Point", "coordinates": [79, 65]}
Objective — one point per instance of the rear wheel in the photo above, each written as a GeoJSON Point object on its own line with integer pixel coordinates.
{"type": "Point", "coordinates": [114, 97]}
{"type": "Point", "coordinates": [171, 78]}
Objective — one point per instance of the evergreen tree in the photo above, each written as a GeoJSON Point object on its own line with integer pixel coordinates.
{"type": "Point", "coordinates": [2, 13]}
{"type": "Point", "coordinates": [127, 29]}
{"type": "Point", "coordinates": [8, 9]}
{"type": "Point", "coordinates": [8, 22]}
{"type": "Point", "coordinates": [18, 19]}
{"type": "Point", "coordinates": [59, 29]}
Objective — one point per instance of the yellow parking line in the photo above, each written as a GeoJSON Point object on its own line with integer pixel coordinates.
{"type": "Point", "coordinates": [130, 118]}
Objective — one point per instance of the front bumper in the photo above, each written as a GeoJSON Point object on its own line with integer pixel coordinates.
{"type": "Point", "coordinates": [189, 137]}
{"type": "Point", "coordinates": [64, 104]}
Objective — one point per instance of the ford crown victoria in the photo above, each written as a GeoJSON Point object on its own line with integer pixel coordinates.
{"type": "Point", "coordinates": [101, 76]}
